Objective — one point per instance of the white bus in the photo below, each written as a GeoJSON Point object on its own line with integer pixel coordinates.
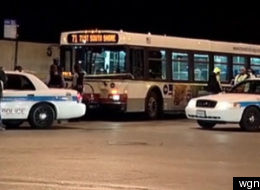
{"type": "Point", "coordinates": [133, 72]}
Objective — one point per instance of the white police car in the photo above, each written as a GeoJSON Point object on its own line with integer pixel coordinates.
{"type": "Point", "coordinates": [27, 98]}
{"type": "Point", "coordinates": [240, 105]}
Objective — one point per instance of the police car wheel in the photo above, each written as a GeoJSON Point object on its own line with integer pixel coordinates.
{"type": "Point", "coordinates": [206, 124]}
{"type": "Point", "coordinates": [251, 119]}
{"type": "Point", "coordinates": [12, 122]}
{"type": "Point", "coordinates": [41, 116]}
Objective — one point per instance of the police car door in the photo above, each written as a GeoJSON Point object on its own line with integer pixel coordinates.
{"type": "Point", "coordinates": [17, 97]}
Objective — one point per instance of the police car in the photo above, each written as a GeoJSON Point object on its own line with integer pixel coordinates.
{"type": "Point", "coordinates": [27, 98]}
{"type": "Point", "coordinates": [241, 105]}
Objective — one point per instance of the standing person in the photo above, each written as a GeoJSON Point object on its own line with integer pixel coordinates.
{"type": "Point", "coordinates": [214, 84]}
{"type": "Point", "coordinates": [243, 75]}
{"type": "Point", "coordinates": [78, 76]}
{"type": "Point", "coordinates": [251, 73]}
{"type": "Point", "coordinates": [55, 78]}
{"type": "Point", "coordinates": [57, 63]}
{"type": "Point", "coordinates": [3, 80]}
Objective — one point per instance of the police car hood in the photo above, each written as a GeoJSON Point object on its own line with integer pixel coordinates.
{"type": "Point", "coordinates": [230, 97]}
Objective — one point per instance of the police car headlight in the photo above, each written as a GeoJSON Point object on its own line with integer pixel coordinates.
{"type": "Point", "coordinates": [228, 105]}
{"type": "Point", "coordinates": [192, 103]}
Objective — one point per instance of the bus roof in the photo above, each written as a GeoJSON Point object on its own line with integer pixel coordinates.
{"type": "Point", "coordinates": [111, 37]}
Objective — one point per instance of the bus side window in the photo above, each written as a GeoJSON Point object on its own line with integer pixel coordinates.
{"type": "Point", "coordinates": [155, 64]}
{"type": "Point", "coordinates": [137, 63]}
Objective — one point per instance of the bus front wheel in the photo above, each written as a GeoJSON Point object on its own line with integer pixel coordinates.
{"type": "Point", "coordinates": [153, 105]}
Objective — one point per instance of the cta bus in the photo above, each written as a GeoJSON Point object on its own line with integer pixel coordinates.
{"type": "Point", "coordinates": [134, 72]}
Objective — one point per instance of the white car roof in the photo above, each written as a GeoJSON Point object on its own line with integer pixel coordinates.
{"type": "Point", "coordinates": [38, 84]}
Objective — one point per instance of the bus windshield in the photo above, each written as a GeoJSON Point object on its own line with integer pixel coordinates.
{"type": "Point", "coordinates": [97, 60]}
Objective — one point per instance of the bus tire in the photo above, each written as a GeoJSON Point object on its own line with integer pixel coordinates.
{"type": "Point", "coordinates": [206, 124]}
{"type": "Point", "coordinates": [12, 122]}
{"type": "Point", "coordinates": [250, 119]}
{"type": "Point", "coordinates": [153, 107]}
{"type": "Point", "coordinates": [41, 116]}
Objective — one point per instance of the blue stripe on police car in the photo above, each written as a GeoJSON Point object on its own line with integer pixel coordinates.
{"type": "Point", "coordinates": [38, 98]}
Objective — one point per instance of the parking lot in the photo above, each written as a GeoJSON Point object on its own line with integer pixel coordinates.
{"type": "Point", "coordinates": [128, 154]}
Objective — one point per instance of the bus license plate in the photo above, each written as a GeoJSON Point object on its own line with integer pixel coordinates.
{"type": "Point", "coordinates": [201, 113]}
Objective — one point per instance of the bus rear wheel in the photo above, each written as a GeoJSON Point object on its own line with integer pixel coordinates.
{"type": "Point", "coordinates": [153, 108]}
{"type": "Point", "coordinates": [206, 124]}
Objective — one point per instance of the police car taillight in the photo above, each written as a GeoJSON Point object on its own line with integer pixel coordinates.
{"type": "Point", "coordinates": [79, 97]}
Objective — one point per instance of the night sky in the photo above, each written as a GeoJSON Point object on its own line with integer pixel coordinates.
{"type": "Point", "coordinates": [43, 20]}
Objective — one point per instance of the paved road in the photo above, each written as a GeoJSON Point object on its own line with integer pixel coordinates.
{"type": "Point", "coordinates": [127, 155]}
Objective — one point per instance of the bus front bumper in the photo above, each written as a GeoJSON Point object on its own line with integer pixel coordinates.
{"type": "Point", "coordinates": [113, 106]}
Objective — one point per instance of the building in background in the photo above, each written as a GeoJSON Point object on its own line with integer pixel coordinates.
{"type": "Point", "coordinates": [33, 57]}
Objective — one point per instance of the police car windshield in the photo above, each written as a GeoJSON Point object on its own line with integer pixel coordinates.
{"type": "Point", "coordinates": [101, 60]}
{"type": "Point", "coordinates": [247, 87]}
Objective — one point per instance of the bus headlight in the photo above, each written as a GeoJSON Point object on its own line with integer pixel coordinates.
{"type": "Point", "coordinates": [116, 97]}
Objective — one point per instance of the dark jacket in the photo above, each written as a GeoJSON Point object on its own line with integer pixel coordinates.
{"type": "Point", "coordinates": [213, 84]}
{"type": "Point", "coordinates": [3, 80]}
{"type": "Point", "coordinates": [55, 81]}
{"type": "Point", "coordinates": [79, 82]}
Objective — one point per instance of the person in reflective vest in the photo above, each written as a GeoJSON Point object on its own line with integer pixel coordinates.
{"type": "Point", "coordinates": [243, 75]}
{"type": "Point", "coordinates": [214, 84]}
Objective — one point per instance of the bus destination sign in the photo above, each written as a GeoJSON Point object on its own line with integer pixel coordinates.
{"type": "Point", "coordinates": [92, 38]}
